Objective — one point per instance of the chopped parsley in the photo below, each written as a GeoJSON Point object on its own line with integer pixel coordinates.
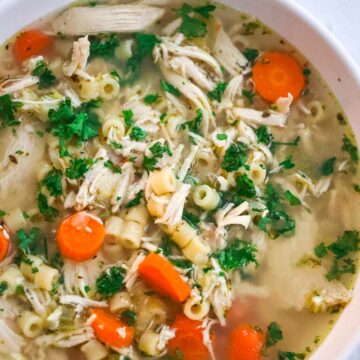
{"type": "Point", "coordinates": [356, 187]}
{"type": "Point", "coordinates": [250, 27]}
{"type": "Point", "coordinates": [158, 151]}
{"type": "Point", "coordinates": [129, 317]}
{"type": "Point", "coordinates": [78, 168]}
{"type": "Point", "coordinates": [291, 198]}
{"type": "Point", "coordinates": [181, 263]}
{"type": "Point", "coordinates": [276, 222]}
{"type": "Point", "coordinates": [295, 142]}
{"type": "Point", "coordinates": [288, 355]}
{"type": "Point", "coordinates": [151, 98]}
{"type": "Point", "coordinates": [245, 186]}
{"type": "Point", "coordinates": [2, 213]}
{"type": "Point", "coordinates": [350, 148]}
{"type": "Point", "coordinates": [137, 134]}
{"type": "Point", "coordinates": [110, 281]}
{"type": "Point", "coordinates": [235, 157]}
{"type": "Point", "coordinates": [136, 200]}
{"type": "Point", "coordinates": [221, 136]}
{"type": "Point", "coordinates": [48, 212]}
{"type": "Point", "coordinates": [53, 183]}
{"type": "Point", "coordinates": [249, 95]}
{"type": "Point", "coordinates": [218, 92]}
{"type": "Point", "coordinates": [145, 43]}
{"type": "Point", "coordinates": [321, 250]}
{"type": "Point", "coordinates": [327, 168]}
{"type": "Point", "coordinates": [3, 287]}
{"type": "Point", "coordinates": [251, 54]}
{"type": "Point", "coordinates": [8, 110]}
{"type": "Point", "coordinates": [192, 26]}
{"type": "Point", "coordinates": [31, 242]}
{"type": "Point", "coordinates": [110, 165]}
{"type": "Point", "coordinates": [273, 335]}
{"type": "Point", "coordinates": [171, 89]}
{"type": "Point", "coordinates": [166, 246]}
{"type": "Point", "coordinates": [46, 76]}
{"type": "Point", "coordinates": [287, 163]}
{"type": "Point", "coordinates": [195, 124]}
{"type": "Point", "coordinates": [191, 219]}
{"type": "Point", "coordinates": [264, 136]}
{"type": "Point", "coordinates": [103, 45]}
{"type": "Point", "coordinates": [307, 71]}
{"type": "Point", "coordinates": [236, 255]}
{"type": "Point", "coordinates": [128, 117]}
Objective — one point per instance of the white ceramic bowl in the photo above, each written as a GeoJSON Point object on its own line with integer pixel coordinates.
{"type": "Point", "coordinates": [319, 46]}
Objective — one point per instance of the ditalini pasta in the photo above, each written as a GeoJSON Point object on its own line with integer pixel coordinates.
{"type": "Point", "coordinates": [176, 182]}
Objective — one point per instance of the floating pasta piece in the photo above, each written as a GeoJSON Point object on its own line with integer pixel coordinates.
{"type": "Point", "coordinates": [183, 234]}
{"type": "Point", "coordinates": [148, 343]}
{"type": "Point", "coordinates": [92, 20]}
{"type": "Point", "coordinates": [110, 330]}
{"type": "Point", "coordinates": [163, 181]}
{"type": "Point", "coordinates": [196, 309]}
{"type": "Point", "coordinates": [30, 324]}
{"type": "Point", "coordinates": [80, 236]}
{"type": "Point", "coordinates": [196, 251]}
{"type": "Point", "coordinates": [46, 277]}
{"type": "Point", "coordinates": [206, 197]}
{"type": "Point", "coordinates": [94, 350]}
{"type": "Point", "coordinates": [158, 273]}
{"type": "Point", "coordinates": [13, 277]}
{"type": "Point", "coordinates": [131, 235]}
{"type": "Point", "coordinates": [138, 214]}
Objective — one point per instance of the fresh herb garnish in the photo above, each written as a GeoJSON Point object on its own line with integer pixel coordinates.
{"type": "Point", "coordinates": [327, 168]}
{"type": "Point", "coordinates": [221, 136]}
{"type": "Point", "coordinates": [46, 76]}
{"type": "Point", "coordinates": [8, 110]}
{"type": "Point", "coordinates": [236, 255]}
{"type": "Point", "coordinates": [151, 98]}
{"type": "Point", "coordinates": [195, 124]}
{"type": "Point", "coordinates": [235, 157]}
{"type": "Point", "coordinates": [158, 151]}
{"type": "Point", "coordinates": [287, 163]}
{"type": "Point", "coordinates": [103, 45]}
{"type": "Point", "coordinates": [264, 136]}
{"type": "Point", "coordinates": [48, 212]}
{"type": "Point", "coordinates": [251, 54]}
{"type": "Point", "coordinates": [350, 148]}
{"type": "Point", "coordinates": [356, 187]}
{"type": "Point", "coordinates": [3, 287]}
{"type": "Point", "coordinates": [110, 281]}
{"type": "Point", "coordinates": [53, 183]}
{"type": "Point", "coordinates": [78, 168]}
{"type": "Point", "coordinates": [288, 355]}
{"type": "Point", "coordinates": [2, 213]}
{"type": "Point", "coordinates": [128, 117]}
{"type": "Point", "coordinates": [137, 134]}
{"type": "Point", "coordinates": [273, 335]}
{"type": "Point", "coordinates": [181, 263]}
{"type": "Point", "coordinates": [245, 186]}
{"type": "Point", "coordinates": [218, 92]}
{"type": "Point", "coordinates": [129, 317]}
{"type": "Point", "coordinates": [249, 95]}
{"type": "Point", "coordinates": [31, 242]}
{"type": "Point", "coordinates": [136, 200]}
{"type": "Point", "coordinates": [110, 165]}
{"type": "Point", "coordinates": [191, 219]}
{"type": "Point", "coordinates": [171, 89]}
{"type": "Point", "coordinates": [291, 198]}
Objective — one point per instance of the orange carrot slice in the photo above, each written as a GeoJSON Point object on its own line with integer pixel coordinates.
{"type": "Point", "coordinates": [245, 343]}
{"type": "Point", "coordinates": [31, 43]}
{"type": "Point", "coordinates": [4, 242]}
{"type": "Point", "coordinates": [158, 273]}
{"type": "Point", "coordinates": [110, 330]}
{"type": "Point", "coordinates": [188, 339]}
{"type": "Point", "coordinates": [80, 236]}
{"type": "Point", "coordinates": [277, 74]}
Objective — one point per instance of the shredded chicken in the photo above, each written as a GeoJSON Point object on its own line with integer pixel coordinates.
{"type": "Point", "coordinates": [256, 117]}
{"type": "Point", "coordinates": [231, 215]}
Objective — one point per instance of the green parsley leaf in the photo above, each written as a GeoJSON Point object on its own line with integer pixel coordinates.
{"type": "Point", "coordinates": [171, 89]}
{"type": "Point", "coordinates": [49, 213]}
{"type": "Point", "coordinates": [221, 136]}
{"type": "Point", "coordinates": [181, 263]}
{"type": "Point", "coordinates": [251, 54]}
{"type": "Point", "coordinates": [137, 133]}
{"type": "Point", "coordinates": [347, 266]}
{"type": "Point", "coordinates": [136, 200]}
{"type": "Point", "coordinates": [327, 167]}
{"type": "Point", "coordinates": [295, 142]}
{"type": "Point", "coordinates": [195, 124]}
{"type": "Point", "coordinates": [103, 45]}
{"type": "Point", "coordinates": [129, 317]}
{"type": "Point", "coordinates": [245, 186]}
{"type": "Point", "coordinates": [53, 182]}
{"type": "Point", "coordinates": [287, 355]}
{"type": "Point", "coordinates": [291, 198]}
{"type": "Point", "coordinates": [57, 261]}
{"type": "Point", "coordinates": [356, 187]}
{"type": "Point", "coordinates": [350, 148]}
{"type": "Point", "coordinates": [264, 136]}
{"type": "Point", "coordinates": [166, 246]}
{"type": "Point", "coordinates": [158, 151]}
{"type": "Point", "coordinates": [345, 244]}
{"type": "Point", "coordinates": [235, 157]}
{"type": "Point", "coordinates": [110, 165]}
{"type": "Point", "coordinates": [115, 145]}
{"type": "Point", "coordinates": [2, 213]}
{"type": "Point", "coordinates": [274, 334]}
{"type": "Point", "coordinates": [110, 281]}
{"type": "Point", "coordinates": [287, 163]}
{"type": "Point", "coordinates": [321, 250]}
{"type": "Point", "coordinates": [151, 98]}
{"type": "Point", "coordinates": [191, 219]}
{"type": "Point", "coordinates": [46, 76]}
{"type": "Point", "coordinates": [250, 27]}
{"type": "Point", "coordinates": [236, 255]}
{"type": "Point", "coordinates": [8, 110]}
{"type": "Point", "coordinates": [307, 72]}
{"type": "Point", "coordinates": [145, 44]}
{"type": "Point", "coordinates": [249, 95]}
{"type": "Point", "coordinates": [3, 287]}
{"type": "Point", "coordinates": [149, 163]}
{"type": "Point", "coordinates": [128, 117]}
{"type": "Point", "coordinates": [218, 92]}
{"type": "Point", "coordinates": [31, 242]}
{"type": "Point", "coordinates": [78, 168]}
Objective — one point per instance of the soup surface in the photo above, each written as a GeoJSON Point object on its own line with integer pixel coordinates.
{"type": "Point", "coordinates": [176, 182]}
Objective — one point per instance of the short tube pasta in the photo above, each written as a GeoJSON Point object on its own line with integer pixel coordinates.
{"type": "Point", "coordinates": [30, 324]}
{"type": "Point", "coordinates": [108, 87]}
{"type": "Point", "coordinates": [120, 301]}
{"type": "Point", "coordinates": [13, 278]}
{"type": "Point", "coordinates": [183, 234]}
{"type": "Point", "coordinates": [138, 214]}
{"type": "Point", "coordinates": [46, 277]}
{"type": "Point", "coordinates": [257, 173]}
{"type": "Point", "coordinates": [113, 228]}
{"type": "Point", "coordinates": [206, 197]}
{"type": "Point", "coordinates": [131, 235]}
{"type": "Point", "coordinates": [157, 207]}
{"type": "Point", "coordinates": [30, 267]}
{"type": "Point", "coordinates": [196, 309]}
{"type": "Point", "coordinates": [89, 89]}
{"type": "Point", "coordinates": [163, 181]}
{"type": "Point", "coordinates": [316, 109]}
{"type": "Point", "coordinates": [15, 220]}
{"type": "Point", "coordinates": [148, 343]}
{"type": "Point", "coordinates": [94, 350]}
{"type": "Point", "coordinates": [196, 251]}
{"type": "Point", "coordinates": [114, 126]}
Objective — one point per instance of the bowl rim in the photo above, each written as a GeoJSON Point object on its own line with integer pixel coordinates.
{"type": "Point", "coordinates": [321, 49]}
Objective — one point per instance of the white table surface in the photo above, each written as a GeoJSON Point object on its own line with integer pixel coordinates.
{"type": "Point", "coordinates": [342, 18]}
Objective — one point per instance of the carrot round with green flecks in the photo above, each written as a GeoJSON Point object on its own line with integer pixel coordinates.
{"type": "Point", "coordinates": [80, 236]}
{"type": "Point", "coordinates": [159, 274]}
{"type": "Point", "coordinates": [276, 74]}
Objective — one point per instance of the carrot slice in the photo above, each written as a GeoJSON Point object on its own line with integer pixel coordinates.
{"type": "Point", "coordinates": [80, 236]}
{"type": "Point", "coordinates": [276, 75]}
{"type": "Point", "coordinates": [31, 43]}
{"type": "Point", "coordinates": [158, 273]}
{"type": "Point", "coordinates": [110, 330]}
{"type": "Point", "coordinates": [4, 242]}
{"type": "Point", "coordinates": [245, 343]}
{"type": "Point", "coordinates": [188, 340]}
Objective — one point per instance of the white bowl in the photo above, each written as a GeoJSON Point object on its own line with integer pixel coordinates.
{"type": "Point", "coordinates": [319, 46]}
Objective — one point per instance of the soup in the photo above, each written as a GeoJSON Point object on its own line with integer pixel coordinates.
{"type": "Point", "coordinates": [176, 182]}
